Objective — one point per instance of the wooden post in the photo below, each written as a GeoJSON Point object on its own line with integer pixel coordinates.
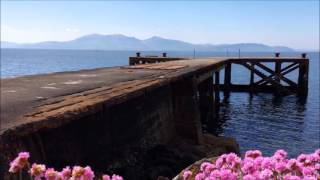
{"type": "Point", "coordinates": [217, 84]}
{"type": "Point", "coordinates": [303, 78]}
{"type": "Point", "coordinates": [186, 109]}
{"type": "Point", "coordinates": [277, 72]}
{"type": "Point", "coordinates": [227, 79]}
{"type": "Point", "coordinates": [252, 77]}
{"type": "Point", "coordinates": [277, 76]}
{"type": "Point", "coordinates": [217, 94]}
{"type": "Point", "coordinates": [131, 61]}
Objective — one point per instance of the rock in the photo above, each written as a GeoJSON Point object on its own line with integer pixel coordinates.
{"type": "Point", "coordinates": [220, 145]}
{"type": "Point", "coordinates": [208, 150]}
{"type": "Point", "coordinates": [195, 167]}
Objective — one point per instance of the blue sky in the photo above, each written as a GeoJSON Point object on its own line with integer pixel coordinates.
{"type": "Point", "coordinates": [289, 23]}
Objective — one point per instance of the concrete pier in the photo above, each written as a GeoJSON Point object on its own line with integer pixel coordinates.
{"type": "Point", "coordinates": [98, 116]}
{"type": "Point", "coordinates": [74, 117]}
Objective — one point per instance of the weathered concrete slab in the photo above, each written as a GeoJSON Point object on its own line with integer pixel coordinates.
{"type": "Point", "coordinates": [31, 99]}
{"type": "Point", "coordinates": [23, 98]}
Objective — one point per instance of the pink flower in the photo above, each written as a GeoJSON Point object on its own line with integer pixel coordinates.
{"type": "Point", "coordinates": [51, 174]}
{"type": "Point", "coordinates": [60, 176]}
{"type": "Point", "coordinates": [281, 153]}
{"type": "Point", "coordinates": [14, 167]}
{"type": "Point", "coordinates": [248, 166]}
{"type": "Point", "coordinates": [77, 172]}
{"type": "Point", "coordinates": [280, 167]}
{"type": "Point", "coordinates": [210, 167]}
{"type": "Point", "coordinates": [290, 177]}
{"type": "Point", "coordinates": [204, 166]}
{"type": "Point", "coordinates": [37, 170]}
{"type": "Point", "coordinates": [253, 154]}
{"type": "Point", "coordinates": [186, 175]}
{"type": "Point", "coordinates": [19, 162]}
{"type": "Point", "coordinates": [106, 177]}
{"type": "Point", "coordinates": [66, 173]}
{"type": "Point", "coordinates": [215, 174]}
{"type": "Point", "coordinates": [266, 174]}
{"type": "Point", "coordinates": [317, 152]}
{"type": "Point", "coordinates": [24, 156]}
{"type": "Point", "coordinates": [302, 158]}
{"type": "Point", "coordinates": [231, 157]}
{"type": "Point", "coordinates": [258, 162]}
{"type": "Point", "coordinates": [226, 174]}
{"type": "Point", "coordinates": [249, 177]}
{"type": "Point", "coordinates": [307, 171]}
{"type": "Point", "coordinates": [227, 167]}
{"type": "Point", "coordinates": [294, 165]}
{"type": "Point", "coordinates": [233, 160]}
{"type": "Point", "coordinates": [220, 162]}
{"type": "Point", "coordinates": [88, 173]}
{"type": "Point", "coordinates": [309, 178]}
{"type": "Point", "coordinates": [267, 163]}
{"type": "Point", "coordinates": [200, 176]}
{"type": "Point", "coordinates": [312, 158]}
{"type": "Point", "coordinates": [116, 177]}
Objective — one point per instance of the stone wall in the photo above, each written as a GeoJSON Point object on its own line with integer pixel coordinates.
{"type": "Point", "coordinates": [157, 133]}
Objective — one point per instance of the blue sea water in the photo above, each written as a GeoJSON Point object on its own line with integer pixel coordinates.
{"type": "Point", "coordinates": [258, 121]}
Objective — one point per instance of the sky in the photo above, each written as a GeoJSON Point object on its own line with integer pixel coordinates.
{"type": "Point", "coordinates": [287, 23]}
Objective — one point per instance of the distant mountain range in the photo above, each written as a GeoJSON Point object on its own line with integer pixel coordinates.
{"type": "Point", "coordinates": [121, 42]}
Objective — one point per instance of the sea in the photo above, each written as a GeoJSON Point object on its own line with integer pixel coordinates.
{"type": "Point", "coordinates": [257, 121]}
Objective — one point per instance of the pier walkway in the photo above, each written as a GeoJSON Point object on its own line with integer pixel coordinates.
{"type": "Point", "coordinates": [32, 99]}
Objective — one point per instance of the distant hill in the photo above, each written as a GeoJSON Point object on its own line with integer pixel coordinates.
{"type": "Point", "coordinates": [5, 44]}
{"type": "Point", "coordinates": [121, 42]}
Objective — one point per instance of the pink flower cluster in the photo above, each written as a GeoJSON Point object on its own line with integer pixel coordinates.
{"type": "Point", "coordinates": [39, 171]}
{"type": "Point", "coordinates": [254, 166]}
{"type": "Point", "coordinates": [19, 162]}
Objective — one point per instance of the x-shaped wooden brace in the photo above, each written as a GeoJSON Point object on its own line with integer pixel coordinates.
{"type": "Point", "coordinates": [281, 74]}
{"type": "Point", "coordinates": [269, 79]}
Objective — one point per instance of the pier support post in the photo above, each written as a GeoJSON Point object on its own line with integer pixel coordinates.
{"type": "Point", "coordinates": [206, 102]}
{"type": "Point", "coordinates": [131, 61]}
{"type": "Point", "coordinates": [217, 84]}
{"type": "Point", "coordinates": [252, 77]}
{"type": "Point", "coordinates": [277, 73]}
{"type": "Point", "coordinates": [303, 78]}
{"type": "Point", "coordinates": [186, 109]}
{"type": "Point", "coordinates": [227, 79]}
{"type": "Point", "coordinates": [277, 68]}
{"type": "Point", "coordinates": [216, 94]}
